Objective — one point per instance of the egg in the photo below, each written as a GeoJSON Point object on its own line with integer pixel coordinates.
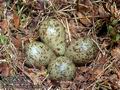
{"type": "Point", "coordinates": [52, 33]}
{"type": "Point", "coordinates": [82, 50]}
{"type": "Point", "coordinates": [38, 54]}
{"type": "Point", "coordinates": [62, 68]}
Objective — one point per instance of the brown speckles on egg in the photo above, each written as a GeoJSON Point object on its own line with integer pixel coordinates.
{"type": "Point", "coordinates": [38, 54]}
{"type": "Point", "coordinates": [55, 33]}
{"type": "Point", "coordinates": [62, 68]}
{"type": "Point", "coordinates": [82, 51]}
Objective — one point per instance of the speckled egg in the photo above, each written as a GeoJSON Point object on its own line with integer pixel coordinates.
{"type": "Point", "coordinates": [62, 68]}
{"type": "Point", "coordinates": [38, 54]}
{"type": "Point", "coordinates": [82, 51]}
{"type": "Point", "coordinates": [52, 32]}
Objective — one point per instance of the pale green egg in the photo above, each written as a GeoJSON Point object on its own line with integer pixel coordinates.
{"type": "Point", "coordinates": [38, 54]}
{"type": "Point", "coordinates": [62, 68]}
{"type": "Point", "coordinates": [82, 50]}
{"type": "Point", "coordinates": [52, 32]}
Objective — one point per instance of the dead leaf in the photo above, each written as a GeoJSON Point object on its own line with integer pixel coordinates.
{"type": "Point", "coordinates": [1, 1]}
{"type": "Point", "coordinates": [102, 11]}
{"type": "Point", "coordinates": [116, 53]}
{"type": "Point", "coordinates": [84, 6]}
{"type": "Point", "coordinates": [88, 3]}
{"type": "Point", "coordinates": [72, 27]}
{"type": "Point", "coordinates": [103, 60]}
{"type": "Point", "coordinates": [84, 19]}
{"type": "Point", "coordinates": [39, 4]}
{"type": "Point", "coordinates": [114, 9]}
{"type": "Point", "coordinates": [84, 69]}
{"type": "Point", "coordinates": [17, 41]}
{"type": "Point", "coordinates": [97, 71]}
{"type": "Point", "coordinates": [16, 20]}
{"type": "Point", "coordinates": [4, 25]}
{"type": "Point", "coordinates": [5, 69]}
{"type": "Point", "coordinates": [33, 75]}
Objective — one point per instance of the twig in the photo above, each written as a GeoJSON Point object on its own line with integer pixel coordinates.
{"type": "Point", "coordinates": [101, 73]}
{"type": "Point", "coordinates": [68, 30]}
{"type": "Point", "coordinates": [98, 46]}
